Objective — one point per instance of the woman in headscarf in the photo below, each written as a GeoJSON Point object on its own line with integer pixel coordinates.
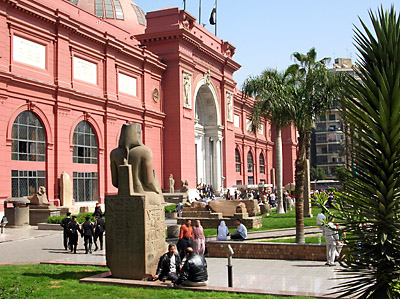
{"type": "Point", "coordinates": [199, 241]}
{"type": "Point", "coordinates": [223, 231]}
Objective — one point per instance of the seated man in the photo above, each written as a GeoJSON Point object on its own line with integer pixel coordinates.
{"type": "Point", "coordinates": [241, 233]}
{"type": "Point", "coordinates": [194, 271]}
{"type": "Point", "coordinates": [169, 265]}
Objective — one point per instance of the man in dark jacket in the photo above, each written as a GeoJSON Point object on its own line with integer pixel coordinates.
{"type": "Point", "coordinates": [64, 224]}
{"type": "Point", "coordinates": [194, 271]}
{"type": "Point", "coordinates": [99, 228]}
{"type": "Point", "coordinates": [169, 265]}
{"type": "Point", "coordinates": [87, 232]}
{"type": "Point", "coordinates": [73, 229]}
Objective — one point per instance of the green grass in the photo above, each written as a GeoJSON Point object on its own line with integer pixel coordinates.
{"type": "Point", "coordinates": [309, 240]}
{"type": "Point", "coordinates": [58, 281]}
{"type": "Point", "coordinates": [275, 221]}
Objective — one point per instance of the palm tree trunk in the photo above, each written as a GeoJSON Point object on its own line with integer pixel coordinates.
{"type": "Point", "coordinates": [279, 169]}
{"type": "Point", "coordinates": [299, 189]}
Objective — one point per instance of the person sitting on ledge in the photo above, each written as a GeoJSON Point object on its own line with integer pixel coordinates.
{"type": "Point", "coordinates": [169, 265]}
{"type": "Point", "coordinates": [241, 233]}
{"type": "Point", "coordinates": [194, 271]}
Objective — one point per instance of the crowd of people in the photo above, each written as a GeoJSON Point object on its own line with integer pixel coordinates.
{"type": "Point", "coordinates": [90, 231]}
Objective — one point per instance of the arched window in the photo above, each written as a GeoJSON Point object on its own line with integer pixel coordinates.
{"type": "Point", "coordinates": [237, 161]}
{"type": "Point", "coordinates": [262, 164]}
{"type": "Point", "coordinates": [28, 144]}
{"type": "Point", "coordinates": [85, 144]}
{"type": "Point", "coordinates": [250, 168]}
{"type": "Point", "coordinates": [249, 162]}
{"type": "Point", "coordinates": [29, 138]}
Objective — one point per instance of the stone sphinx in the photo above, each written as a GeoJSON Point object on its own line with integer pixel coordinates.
{"type": "Point", "coordinates": [132, 166]}
{"type": "Point", "coordinates": [39, 200]}
{"type": "Point", "coordinates": [135, 236]}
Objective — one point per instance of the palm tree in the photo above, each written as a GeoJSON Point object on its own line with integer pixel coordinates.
{"type": "Point", "coordinates": [372, 109]}
{"type": "Point", "coordinates": [314, 90]}
{"type": "Point", "coordinates": [271, 90]}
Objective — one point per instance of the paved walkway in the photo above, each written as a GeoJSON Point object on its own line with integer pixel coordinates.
{"type": "Point", "coordinates": [30, 245]}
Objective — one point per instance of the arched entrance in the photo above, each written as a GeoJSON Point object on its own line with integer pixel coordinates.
{"type": "Point", "coordinates": [208, 136]}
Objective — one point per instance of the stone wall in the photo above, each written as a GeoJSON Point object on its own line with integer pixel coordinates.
{"type": "Point", "coordinates": [262, 250]}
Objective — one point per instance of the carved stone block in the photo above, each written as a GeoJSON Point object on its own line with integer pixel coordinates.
{"type": "Point", "coordinates": [135, 237]}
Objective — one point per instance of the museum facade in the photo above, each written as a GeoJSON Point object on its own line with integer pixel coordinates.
{"type": "Point", "coordinates": [72, 72]}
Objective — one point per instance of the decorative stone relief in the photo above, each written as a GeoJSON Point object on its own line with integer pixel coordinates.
{"type": "Point", "coordinates": [187, 89]}
{"type": "Point", "coordinates": [207, 77]}
{"type": "Point", "coordinates": [156, 95]}
{"type": "Point", "coordinates": [229, 106]}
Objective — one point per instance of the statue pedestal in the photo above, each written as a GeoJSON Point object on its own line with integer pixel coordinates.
{"type": "Point", "coordinates": [40, 215]}
{"type": "Point", "coordinates": [135, 237]}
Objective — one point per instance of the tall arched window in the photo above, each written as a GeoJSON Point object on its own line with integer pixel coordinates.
{"type": "Point", "coordinates": [250, 168]}
{"type": "Point", "coordinates": [85, 152]}
{"type": "Point", "coordinates": [262, 163]}
{"type": "Point", "coordinates": [28, 144]}
{"type": "Point", "coordinates": [85, 144]}
{"type": "Point", "coordinates": [237, 161]}
{"type": "Point", "coordinates": [29, 138]}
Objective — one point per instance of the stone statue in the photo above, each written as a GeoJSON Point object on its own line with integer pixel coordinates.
{"type": "Point", "coordinates": [184, 186]}
{"type": "Point", "coordinates": [65, 190]}
{"type": "Point", "coordinates": [135, 237]}
{"type": "Point", "coordinates": [186, 89]}
{"type": "Point", "coordinates": [132, 166]}
{"type": "Point", "coordinates": [39, 200]}
{"type": "Point", "coordinates": [229, 106]}
{"type": "Point", "coordinates": [171, 183]}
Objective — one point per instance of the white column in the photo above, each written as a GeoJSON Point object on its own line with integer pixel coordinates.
{"type": "Point", "coordinates": [217, 164]}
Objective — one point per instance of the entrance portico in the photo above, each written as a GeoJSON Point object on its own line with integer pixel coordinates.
{"type": "Point", "coordinates": [208, 136]}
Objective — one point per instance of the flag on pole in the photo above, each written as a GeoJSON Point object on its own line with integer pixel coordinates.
{"type": "Point", "coordinates": [213, 20]}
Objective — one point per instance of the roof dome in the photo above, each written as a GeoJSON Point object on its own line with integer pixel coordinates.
{"type": "Point", "coordinates": [122, 13]}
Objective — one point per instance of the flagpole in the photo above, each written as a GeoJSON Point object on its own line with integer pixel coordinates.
{"type": "Point", "coordinates": [216, 14]}
{"type": "Point", "coordinates": [200, 12]}
{"type": "Point", "coordinates": [184, 4]}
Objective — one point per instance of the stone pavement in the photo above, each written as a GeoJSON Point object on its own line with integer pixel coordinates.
{"type": "Point", "coordinates": [30, 245]}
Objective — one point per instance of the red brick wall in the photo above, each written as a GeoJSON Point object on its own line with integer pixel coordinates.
{"type": "Point", "coordinates": [261, 250]}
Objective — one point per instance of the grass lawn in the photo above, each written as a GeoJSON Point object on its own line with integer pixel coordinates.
{"type": "Point", "coordinates": [309, 240]}
{"type": "Point", "coordinates": [58, 281]}
{"type": "Point", "coordinates": [275, 221]}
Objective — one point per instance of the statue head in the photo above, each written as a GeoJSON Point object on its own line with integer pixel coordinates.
{"type": "Point", "coordinates": [42, 190]}
{"type": "Point", "coordinates": [131, 135]}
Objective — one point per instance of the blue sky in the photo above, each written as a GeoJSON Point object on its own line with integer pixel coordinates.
{"type": "Point", "coordinates": [266, 33]}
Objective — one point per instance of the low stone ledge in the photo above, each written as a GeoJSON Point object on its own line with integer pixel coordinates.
{"type": "Point", "coordinates": [107, 279]}
{"type": "Point", "coordinates": [49, 226]}
{"type": "Point", "coordinates": [264, 250]}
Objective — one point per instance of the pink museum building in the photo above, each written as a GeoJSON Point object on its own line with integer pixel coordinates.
{"type": "Point", "coordinates": [72, 72]}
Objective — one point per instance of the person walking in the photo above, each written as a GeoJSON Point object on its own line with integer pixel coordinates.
{"type": "Point", "coordinates": [199, 241]}
{"type": "Point", "coordinates": [222, 231]}
{"type": "Point", "coordinates": [87, 232]}
{"type": "Point", "coordinates": [99, 228]}
{"type": "Point", "coordinates": [331, 240]}
{"type": "Point", "coordinates": [73, 229]}
{"type": "Point", "coordinates": [320, 223]}
{"type": "Point", "coordinates": [64, 224]}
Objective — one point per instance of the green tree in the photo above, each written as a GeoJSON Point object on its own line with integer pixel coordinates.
{"type": "Point", "coordinates": [314, 90]}
{"type": "Point", "coordinates": [317, 173]}
{"type": "Point", "coordinates": [271, 90]}
{"type": "Point", "coordinates": [372, 108]}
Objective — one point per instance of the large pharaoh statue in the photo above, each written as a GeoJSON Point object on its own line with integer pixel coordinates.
{"type": "Point", "coordinates": [134, 157]}
{"type": "Point", "coordinates": [135, 236]}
